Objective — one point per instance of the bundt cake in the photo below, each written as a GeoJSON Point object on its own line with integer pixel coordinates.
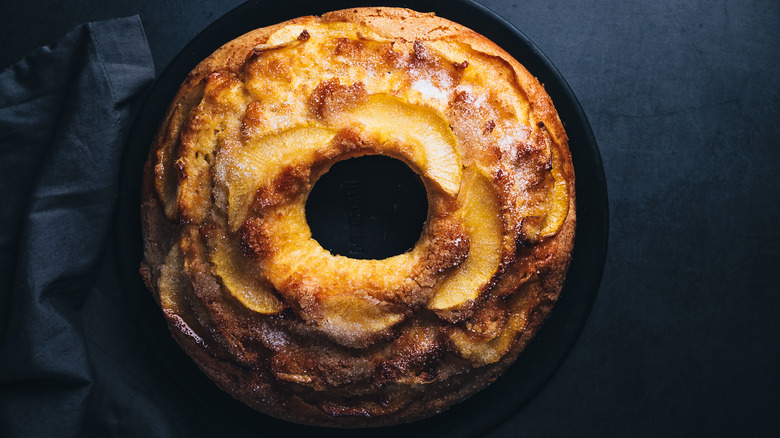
{"type": "Point", "coordinates": [305, 335]}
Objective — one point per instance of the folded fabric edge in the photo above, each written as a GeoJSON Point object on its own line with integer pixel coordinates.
{"type": "Point", "coordinates": [126, 66]}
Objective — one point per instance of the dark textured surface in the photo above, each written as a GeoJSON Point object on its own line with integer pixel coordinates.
{"type": "Point", "coordinates": [370, 207]}
{"type": "Point", "coordinates": [684, 100]}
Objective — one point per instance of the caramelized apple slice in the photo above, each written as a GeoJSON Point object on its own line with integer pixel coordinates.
{"type": "Point", "coordinates": [167, 143]}
{"type": "Point", "coordinates": [241, 279]}
{"type": "Point", "coordinates": [481, 352]}
{"type": "Point", "coordinates": [165, 179]}
{"type": "Point", "coordinates": [482, 215]}
{"type": "Point", "coordinates": [431, 143]}
{"type": "Point", "coordinates": [194, 169]}
{"type": "Point", "coordinates": [546, 217]}
{"type": "Point", "coordinates": [180, 310]}
{"type": "Point", "coordinates": [483, 67]}
{"type": "Point", "coordinates": [329, 31]}
{"type": "Point", "coordinates": [224, 100]}
{"type": "Point", "coordinates": [557, 205]}
{"type": "Point", "coordinates": [173, 283]}
{"type": "Point", "coordinates": [245, 168]}
{"type": "Point", "coordinates": [356, 318]}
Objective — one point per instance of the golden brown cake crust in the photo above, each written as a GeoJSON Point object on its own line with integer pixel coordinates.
{"type": "Point", "coordinates": [394, 348]}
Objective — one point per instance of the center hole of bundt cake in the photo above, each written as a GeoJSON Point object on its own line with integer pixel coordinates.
{"type": "Point", "coordinates": [370, 207]}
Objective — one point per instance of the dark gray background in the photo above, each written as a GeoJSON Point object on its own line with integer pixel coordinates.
{"type": "Point", "coordinates": [684, 101]}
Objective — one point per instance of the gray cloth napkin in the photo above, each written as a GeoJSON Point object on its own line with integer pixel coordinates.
{"type": "Point", "coordinates": [71, 361]}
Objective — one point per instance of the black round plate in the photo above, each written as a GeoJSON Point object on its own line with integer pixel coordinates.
{"type": "Point", "coordinates": [543, 355]}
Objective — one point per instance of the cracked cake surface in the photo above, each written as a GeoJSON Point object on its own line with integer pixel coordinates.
{"type": "Point", "coordinates": [302, 334]}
